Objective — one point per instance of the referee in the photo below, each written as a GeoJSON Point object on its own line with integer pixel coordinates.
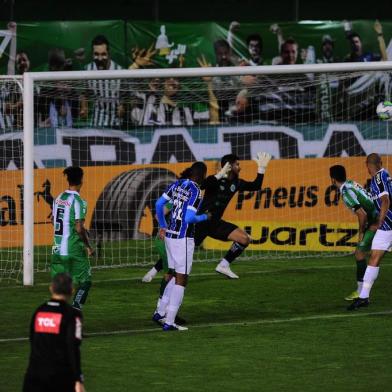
{"type": "Point", "coordinates": [55, 337]}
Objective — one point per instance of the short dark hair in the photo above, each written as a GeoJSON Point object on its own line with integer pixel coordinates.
{"type": "Point", "coordinates": [254, 37]}
{"type": "Point", "coordinates": [374, 159]}
{"type": "Point", "coordinates": [100, 40]}
{"type": "Point", "coordinates": [56, 59]}
{"type": "Point", "coordinates": [62, 284]}
{"type": "Point", "coordinates": [198, 169]}
{"type": "Point", "coordinates": [352, 35]}
{"type": "Point", "coordinates": [74, 175]}
{"type": "Point", "coordinates": [221, 43]}
{"type": "Point", "coordinates": [288, 41]}
{"type": "Point", "coordinates": [338, 173]}
{"type": "Point", "coordinates": [231, 158]}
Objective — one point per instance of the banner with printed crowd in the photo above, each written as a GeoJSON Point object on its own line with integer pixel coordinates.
{"type": "Point", "coordinates": [178, 44]}
{"type": "Point", "coordinates": [297, 208]}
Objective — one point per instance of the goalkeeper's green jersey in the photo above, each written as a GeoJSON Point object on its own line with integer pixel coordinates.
{"type": "Point", "coordinates": [68, 207]}
{"type": "Point", "coordinates": [355, 197]}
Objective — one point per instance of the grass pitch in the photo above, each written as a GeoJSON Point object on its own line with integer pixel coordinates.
{"type": "Point", "coordinates": [281, 327]}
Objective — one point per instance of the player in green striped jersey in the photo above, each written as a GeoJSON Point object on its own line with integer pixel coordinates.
{"type": "Point", "coordinates": [360, 203]}
{"type": "Point", "coordinates": [71, 246]}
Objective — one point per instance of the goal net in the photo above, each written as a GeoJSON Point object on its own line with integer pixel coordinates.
{"type": "Point", "coordinates": [11, 176]}
{"type": "Point", "coordinates": [134, 132]}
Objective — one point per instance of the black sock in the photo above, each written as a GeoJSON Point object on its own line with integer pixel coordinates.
{"type": "Point", "coordinates": [81, 295]}
{"type": "Point", "coordinates": [235, 250]}
{"type": "Point", "coordinates": [159, 265]}
{"type": "Point", "coordinates": [361, 268]}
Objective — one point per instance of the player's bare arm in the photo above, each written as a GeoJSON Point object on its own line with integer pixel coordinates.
{"type": "Point", "coordinates": [385, 203]}
{"type": "Point", "coordinates": [82, 232]}
{"type": "Point", "coordinates": [362, 221]}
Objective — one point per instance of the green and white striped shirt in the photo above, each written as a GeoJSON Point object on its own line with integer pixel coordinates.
{"type": "Point", "coordinates": [355, 197]}
{"type": "Point", "coordinates": [68, 207]}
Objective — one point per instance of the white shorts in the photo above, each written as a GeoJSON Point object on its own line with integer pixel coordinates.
{"type": "Point", "coordinates": [180, 254]}
{"type": "Point", "coordinates": [382, 240]}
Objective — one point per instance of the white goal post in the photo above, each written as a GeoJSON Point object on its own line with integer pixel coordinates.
{"type": "Point", "coordinates": [30, 78]}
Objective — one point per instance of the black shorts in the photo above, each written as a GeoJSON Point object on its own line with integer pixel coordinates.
{"type": "Point", "coordinates": [217, 229]}
{"type": "Point", "coordinates": [41, 383]}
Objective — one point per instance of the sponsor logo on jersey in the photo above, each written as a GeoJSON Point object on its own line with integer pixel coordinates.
{"type": "Point", "coordinates": [63, 202]}
{"type": "Point", "coordinates": [47, 322]}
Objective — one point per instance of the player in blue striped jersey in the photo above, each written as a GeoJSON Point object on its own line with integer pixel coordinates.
{"type": "Point", "coordinates": [178, 233]}
{"type": "Point", "coordinates": [381, 189]}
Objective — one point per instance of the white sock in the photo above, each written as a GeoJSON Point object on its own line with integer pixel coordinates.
{"type": "Point", "coordinates": [164, 301]}
{"type": "Point", "coordinates": [176, 298]}
{"type": "Point", "coordinates": [370, 276]}
{"type": "Point", "coordinates": [224, 263]}
{"type": "Point", "coordinates": [359, 288]}
{"type": "Point", "coordinates": [152, 271]}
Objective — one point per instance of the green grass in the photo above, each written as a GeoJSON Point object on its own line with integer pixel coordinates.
{"type": "Point", "coordinates": [281, 327]}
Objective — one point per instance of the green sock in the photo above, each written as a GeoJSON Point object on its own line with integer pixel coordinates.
{"type": "Point", "coordinates": [81, 295]}
{"type": "Point", "coordinates": [361, 268]}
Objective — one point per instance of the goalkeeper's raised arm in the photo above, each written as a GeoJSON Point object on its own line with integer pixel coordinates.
{"type": "Point", "coordinates": [262, 159]}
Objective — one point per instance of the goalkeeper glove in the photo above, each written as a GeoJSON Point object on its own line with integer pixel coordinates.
{"type": "Point", "coordinates": [224, 171]}
{"type": "Point", "coordinates": [262, 161]}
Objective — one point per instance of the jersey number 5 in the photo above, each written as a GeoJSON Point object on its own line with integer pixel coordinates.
{"type": "Point", "coordinates": [59, 221]}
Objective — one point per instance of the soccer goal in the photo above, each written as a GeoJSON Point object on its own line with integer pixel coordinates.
{"type": "Point", "coordinates": [135, 131]}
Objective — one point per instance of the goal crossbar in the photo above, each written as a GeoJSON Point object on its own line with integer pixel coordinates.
{"type": "Point", "coordinates": [211, 71]}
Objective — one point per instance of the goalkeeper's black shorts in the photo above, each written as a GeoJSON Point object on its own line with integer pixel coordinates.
{"type": "Point", "coordinates": [216, 228]}
{"type": "Point", "coordinates": [48, 383]}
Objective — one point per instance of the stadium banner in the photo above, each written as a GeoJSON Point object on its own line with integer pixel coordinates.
{"type": "Point", "coordinates": [37, 38]}
{"type": "Point", "coordinates": [99, 147]}
{"type": "Point", "coordinates": [296, 209]}
{"type": "Point", "coordinates": [176, 44]}
{"type": "Point", "coordinates": [181, 44]}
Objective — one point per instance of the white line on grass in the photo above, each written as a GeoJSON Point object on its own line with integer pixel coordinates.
{"type": "Point", "coordinates": [202, 274]}
{"type": "Point", "coordinates": [232, 324]}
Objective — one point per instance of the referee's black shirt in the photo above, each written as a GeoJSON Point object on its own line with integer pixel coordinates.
{"type": "Point", "coordinates": [55, 337]}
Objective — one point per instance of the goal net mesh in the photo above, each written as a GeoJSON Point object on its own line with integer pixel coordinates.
{"type": "Point", "coordinates": [11, 177]}
{"type": "Point", "coordinates": [133, 137]}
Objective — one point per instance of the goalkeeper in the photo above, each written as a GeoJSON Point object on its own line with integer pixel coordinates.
{"type": "Point", "coordinates": [360, 203]}
{"type": "Point", "coordinates": [219, 190]}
